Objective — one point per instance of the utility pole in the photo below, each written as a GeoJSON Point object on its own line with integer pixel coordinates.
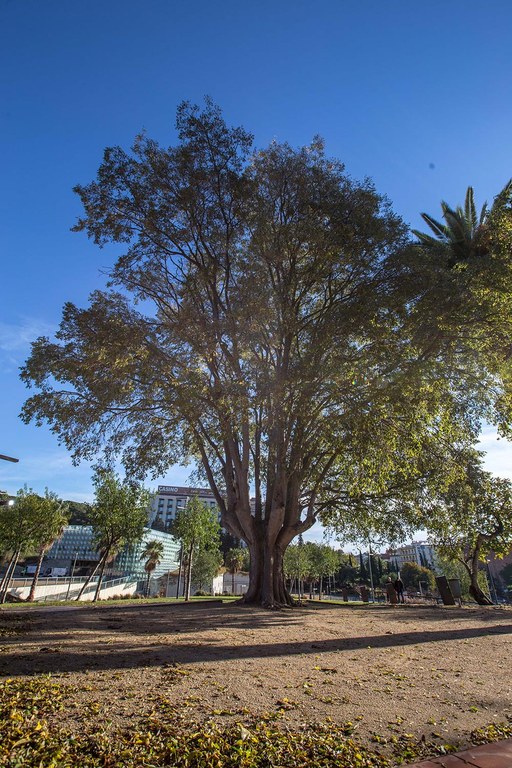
{"type": "Point", "coordinates": [178, 583]}
{"type": "Point", "coordinates": [72, 574]}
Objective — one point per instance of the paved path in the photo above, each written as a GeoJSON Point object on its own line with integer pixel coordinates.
{"type": "Point", "coordinates": [496, 755]}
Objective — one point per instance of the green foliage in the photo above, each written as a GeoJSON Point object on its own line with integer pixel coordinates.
{"type": "Point", "coordinates": [50, 517]}
{"type": "Point", "coordinates": [412, 574]}
{"type": "Point", "coordinates": [118, 517]}
{"type": "Point", "coordinates": [198, 529]}
{"type": "Point", "coordinates": [348, 572]}
{"type": "Point", "coordinates": [237, 559]}
{"type": "Point", "coordinates": [471, 519]}
{"type": "Point", "coordinates": [463, 235]}
{"type": "Point", "coordinates": [205, 566]}
{"type": "Point", "coordinates": [32, 523]}
{"type": "Point", "coordinates": [79, 512]}
{"type": "Point", "coordinates": [196, 526]}
{"type": "Point", "coordinates": [119, 514]}
{"type": "Point", "coordinates": [17, 522]}
{"type": "Point", "coordinates": [297, 563]}
{"type": "Point", "coordinates": [152, 554]}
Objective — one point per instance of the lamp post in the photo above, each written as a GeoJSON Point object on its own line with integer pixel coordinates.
{"type": "Point", "coordinates": [178, 583]}
{"type": "Point", "coordinates": [8, 458]}
{"type": "Point", "coordinates": [72, 574]}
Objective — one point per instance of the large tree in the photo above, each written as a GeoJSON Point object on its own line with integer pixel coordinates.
{"type": "Point", "coordinates": [265, 324]}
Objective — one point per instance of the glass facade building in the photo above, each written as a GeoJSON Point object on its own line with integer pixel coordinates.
{"type": "Point", "coordinates": [76, 546]}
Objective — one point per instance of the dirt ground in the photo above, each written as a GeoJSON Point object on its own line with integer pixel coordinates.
{"type": "Point", "coordinates": [409, 669]}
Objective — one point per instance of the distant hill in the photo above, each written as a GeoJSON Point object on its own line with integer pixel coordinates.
{"type": "Point", "coordinates": [79, 512]}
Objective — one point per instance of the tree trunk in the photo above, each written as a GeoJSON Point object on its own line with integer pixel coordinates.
{"type": "Point", "coordinates": [147, 583]}
{"type": "Point", "coordinates": [188, 575]}
{"type": "Point", "coordinates": [178, 584]}
{"type": "Point", "coordinates": [7, 577]}
{"type": "Point", "coordinates": [31, 594]}
{"type": "Point", "coordinates": [472, 568]}
{"type": "Point", "coordinates": [6, 581]}
{"type": "Point", "coordinates": [266, 577]}
{"type": "Point", "coordinates": [89, 579]}
{"type": "Point", "coordinates": [476, 592]}
{"type": "Point", "coordinates": [103, 562]}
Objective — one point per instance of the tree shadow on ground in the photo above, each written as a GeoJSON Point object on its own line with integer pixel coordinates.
{"type": "Point", "coordinates": [152, 636]}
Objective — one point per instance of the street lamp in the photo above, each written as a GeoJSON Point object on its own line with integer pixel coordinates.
{"type": "Point", "coordinates": [8, 458]}
{"type": "Point", "coordinates": [72, 574]}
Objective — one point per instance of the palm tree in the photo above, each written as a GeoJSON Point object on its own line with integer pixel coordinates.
{"type": "Point", "coordinates": [152, 554]}
{"type": "Point", "coordinates": [463, 236]}
{"type": "Point", "coordinates": [234, 561]}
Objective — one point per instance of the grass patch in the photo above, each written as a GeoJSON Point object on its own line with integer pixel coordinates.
{"type": "Point", "coordinates": [111, 603]}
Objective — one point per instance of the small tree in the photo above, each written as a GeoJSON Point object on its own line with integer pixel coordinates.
{"type": "Point", "coordinates": [413, 575]}
{"type": "Point", "coordinates": [347, 569]}
{"type": "Point", "coordinates": [118, 518]}
{"type": "Point", "coordinates": [205, 566]}
{"type": "Point", "coordinates": [471, 519]}
{"type": "Point", "coordinates": [323, 561]}
{"type": "Point", "coordinates": [49, 517]}
{"type": "Point", "coordinates": [197, 527]}
{"type": "Point", "coordinates": [17, 532]}
{"type": "Point", "coordinates": [152, 554]}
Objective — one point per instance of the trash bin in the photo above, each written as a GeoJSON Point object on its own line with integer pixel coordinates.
{"type": "Point", "coordinates": [456, 590]}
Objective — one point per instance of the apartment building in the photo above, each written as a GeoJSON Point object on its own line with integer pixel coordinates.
{"type": "Point", "coordinates": [169, 499]}
{"type": "Point", "coordinates": [418, 552]}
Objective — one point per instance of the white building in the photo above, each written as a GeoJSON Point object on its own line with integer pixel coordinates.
{"type": "Point", "coordinates": [171, 498]}
{"type": "Point", "coordinates": [418, 552]}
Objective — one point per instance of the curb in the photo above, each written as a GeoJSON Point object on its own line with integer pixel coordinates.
{"type": "Point", "coordinates": [494, 755]}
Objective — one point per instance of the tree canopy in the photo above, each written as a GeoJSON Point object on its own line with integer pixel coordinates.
{"type": "Point", "coordinates": [271, 318]}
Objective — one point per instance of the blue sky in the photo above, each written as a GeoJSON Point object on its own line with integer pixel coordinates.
{"type": "Point", "coordinates": [417, 96]}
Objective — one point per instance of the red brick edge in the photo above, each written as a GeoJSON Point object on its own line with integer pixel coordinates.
{"type": "Point", "coordinates": [495, 755]}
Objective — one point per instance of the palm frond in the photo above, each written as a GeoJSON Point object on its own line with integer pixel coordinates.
{"type": "Point", "coordinates": [470, 209]}
{"type": "Point", "coordinates": [436, 226]}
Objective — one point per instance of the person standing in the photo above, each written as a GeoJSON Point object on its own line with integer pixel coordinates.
{"type": "Point", "coordinates": [399, 589]}
{"type": "Point", "coordinates": [391, 594]}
